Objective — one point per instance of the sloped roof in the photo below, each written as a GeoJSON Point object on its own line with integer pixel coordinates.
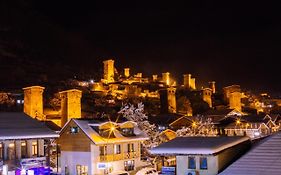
{"type": "Point", "coordinates": [265, 158]}
{"type": "Point", "coordinates": [52, 126]}
{"type": "Point", "coordinates": [18, 125]}
{"type": "Point", "coordinates": [197, 145]}
{"type": "Point", "coordinates": [254, 119]}
{"type": "Point", "coordinates": [94, 136]}
{"type": "Point", "coordinates": [163, 119]}
{"type": "Point", "coordinates": [221, 112]}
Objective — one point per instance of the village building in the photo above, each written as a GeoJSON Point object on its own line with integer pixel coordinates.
{"type": "Point", "coordinates": [24, 144]}
{"type": "Point", "coordinates": [254, 126]}
{"type": "Point", "coordinates": [93, 147]}
{"type": "Point", "coordinates": [263, 158]}
{"type": "Point", "coordinates": [203, 155]}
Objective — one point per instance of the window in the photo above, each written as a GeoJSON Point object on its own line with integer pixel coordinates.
{"type": "Point", "coordinates": [81, 170]}
{"type": "Point", "coordinates": [103, 150]}
{"type": "Point", "coordinates": [127, 132]}
{"type": "Point", "coordinates": [203, 163]}
{"type": "Point", "coordinates": [23, 149]}
{"type": "Point", "coordinates": [11, 151]}
{"type": "Point", "coordinates": [130, 147]}
{"type": "Point", "coordinates": [129, 165]}
{"type": "Point", "coordinates": [107, 133]}
{"type": "Point", "coordinates": [1, 151]}
{"type": "Point", "coordinates": [74, 130]}
{"type": "Point", "coordinates": [191, 163]}
{"type": "Point", "coordinates": [117, 149]}
{"type": "Point", "coordinates": [34, 148]}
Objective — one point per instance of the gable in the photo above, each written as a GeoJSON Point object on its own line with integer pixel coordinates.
{"type": "Point", "coordinates": [74, 141]}
{"type": "Point", "coordinates": [235, 112]}
{"type": "Point", "coordinates": [182, 121]}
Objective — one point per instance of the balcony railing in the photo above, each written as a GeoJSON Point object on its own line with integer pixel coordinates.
{"type": "Point", "coordinates": [115, 157]}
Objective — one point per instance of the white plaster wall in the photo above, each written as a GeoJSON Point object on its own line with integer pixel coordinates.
{"type": "Point", "coordinates": [182, 165]}
{"type": "Point", "coordinates": [71, 159]}
{"type": "Point", "coordinates": [117, 165]}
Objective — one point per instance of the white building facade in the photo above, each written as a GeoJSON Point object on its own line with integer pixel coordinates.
{"type": "Point", "coordinates": [100, 148]}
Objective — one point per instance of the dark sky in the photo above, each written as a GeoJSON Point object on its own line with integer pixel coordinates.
{"type": "Point", "coordinates": [231, 42]}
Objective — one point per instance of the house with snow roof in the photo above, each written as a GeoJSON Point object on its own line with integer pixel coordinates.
{"type": "Point", "coordinates": [203, 155]}
{"type": "Point", "coordinates": [254, 126]}
{"type": "Point", "coordinates": [24, 144]}
{"type": "Point", "coordinates": [263, 158]}
{"type": "Point", "coordinates": [100, 147]}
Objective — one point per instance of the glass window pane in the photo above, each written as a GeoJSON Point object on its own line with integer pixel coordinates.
{"type": "Point", "coordinates": [191, 163]}
{"type": "Point", "coordinates": [203, 163]}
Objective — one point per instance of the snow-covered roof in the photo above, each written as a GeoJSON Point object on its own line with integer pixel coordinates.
{"type": "Point", "coordinates": [18, 125]}
{"type": "Point", "coordinates": [197, 145]}
{"type": "Point", "coordinates": [95, 137]}
{"type": "Point", "coordinates": [264, 158]}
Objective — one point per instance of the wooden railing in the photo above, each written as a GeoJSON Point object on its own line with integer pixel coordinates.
{"type": "Point", "coordinates": [115, 157]}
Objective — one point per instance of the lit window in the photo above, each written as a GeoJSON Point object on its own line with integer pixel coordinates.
{"type": "Point", "coordinates": [117, 149]}
{"type": "Point", "coordinates": [23, 149]}
{"type": "Point", "coordinates": [191, 163]}
{"type": "Point", "coordinates": [103, 150]}
{"type": "Point", "coordinates": [129, 165]}
{"type": "Point", "coordinates": [1, 151]}
{"type": "Point", "coordinates": [74, 130]}
{"type": "Point", "coordinates": [81, 170]}
{"type": "Point", "coordinates": [34, 148]}
{"type": "Point", "coordinates": [130, 147]}
{"type": "Point", "coordinates": [203, 163]}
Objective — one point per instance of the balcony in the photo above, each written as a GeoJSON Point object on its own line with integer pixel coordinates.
{"type": "Point", "coordinates": [116, 157]}
{"type": "Point", "coordinates": [33, 162]}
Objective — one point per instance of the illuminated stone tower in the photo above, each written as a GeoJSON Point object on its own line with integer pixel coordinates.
{"type": "Point", "coordinates": [232, 95]}
{"type": "Point", "coordinates": [235, 101]}
{"type": "Point", "coordinates": [207, 96]}
{"type": "Point", "coordinates": [212, 85]}
{"type": "Point", "coordinates": [108, 74]}
{"type": "Point", "coordinates": [166, 78]}
{"type": "Point", "coordinates": [168, 100]}
{"type": "Point", "coordinates": [189, 82]}
{"type": "Point", "coordinates": [70, 105]}
{"type": "Point", "coordinates": [154, 77]}
{"type": "Point", "coordinates": [33, 102]}
{"type": "Point", "coordinates": [126, 72]}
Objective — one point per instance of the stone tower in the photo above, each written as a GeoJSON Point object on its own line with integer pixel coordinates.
{"type": "Point", "coordinates": [212, 85]}
{"type": "Point", "coordinates": [189, 82]}
{"type": "Point", "coordinates": [207, 96]}
{"type": "Point", "coordinates": [70, 105]}
{"type": "Point", "coordinates": [232, 95]}
{"type": "Point", "coordinates": [235, 101]}
{"type": "Point", "coordinates": [108, 71]}
{"type": "Point", "coordinates": [166, 78]}
{"type": "Point", "coordinates": [168, 100]}
{"type": "Point", "coordinates": [126, 72]}
{"type": "Point", "coordinates": [154, 77]}
{"type": "Point", "coordinates": [33, 102]}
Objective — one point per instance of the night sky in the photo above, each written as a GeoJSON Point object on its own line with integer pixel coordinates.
{"type": "Point", "coordinates": [231, 42]}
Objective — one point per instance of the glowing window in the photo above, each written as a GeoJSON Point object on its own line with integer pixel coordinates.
{"type": "Point", "coordinates": [34, 148]}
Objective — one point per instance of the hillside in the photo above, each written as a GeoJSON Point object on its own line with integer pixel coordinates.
{"type": "Point", "coordinates": [35, 50]}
